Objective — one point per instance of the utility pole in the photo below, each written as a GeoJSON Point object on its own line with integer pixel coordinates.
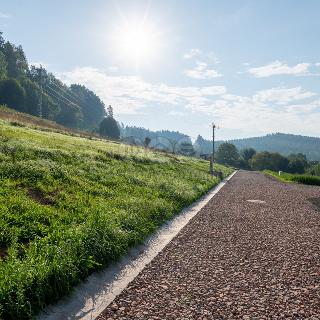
{"type": "Point", "coordinates": [212, 156]}
{"type": "Point", "coordinates": [40, 98]}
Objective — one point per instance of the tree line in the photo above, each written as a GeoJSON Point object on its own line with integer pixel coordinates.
{"type": "Point", "coordinates": [283, 143]}
{"type": "Point", "coordinates": [248, 158]}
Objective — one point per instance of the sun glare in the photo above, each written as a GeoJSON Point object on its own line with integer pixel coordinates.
{"type": "Point", "coordinates": [138, 43]}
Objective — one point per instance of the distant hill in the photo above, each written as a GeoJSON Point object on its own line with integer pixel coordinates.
{"type": "Point", "coordinates": [162, 139]}
{"type": "Point", "coordinates": [277, 142]}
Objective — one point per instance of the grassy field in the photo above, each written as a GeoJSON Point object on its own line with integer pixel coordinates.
{"type": "Point", "coordinates": [70, 205]}
{"type": "Point", "coordinates": [298, 178]}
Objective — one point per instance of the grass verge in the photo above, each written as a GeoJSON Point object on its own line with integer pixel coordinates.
{"type": "Point", "coordinates": [70, 205]}
{"type": "Point", "coordinates": [298, 178]}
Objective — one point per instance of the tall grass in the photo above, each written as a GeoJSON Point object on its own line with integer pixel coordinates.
{"type": "Point", "coordinates": [298, 178]}
{"type": "Point", "coordinates": [69, 206]}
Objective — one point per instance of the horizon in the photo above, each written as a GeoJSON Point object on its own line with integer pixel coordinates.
{"type": "Point", "coordinates": [247, 66]}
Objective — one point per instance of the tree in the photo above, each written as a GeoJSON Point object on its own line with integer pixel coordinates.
{"type": "Point", "coordinates": [147, 141]}
{"type": "Point", "coordinates": [186, 148]}
{"type": "Point", "coordinates": [247, 153]}
{"type": "Point", "coordinates": [228, 154]}
{"type": "Point", "coordinates": [3, 66]}
{"type": "Point", "coordinates": [32, 94]}
{"type": "Point", "coordinates": [296, 166]}
{"type": "Point", "coordinates": [269, 161]}
{"type": "Point", "coordinates": [298, 163]}
{"type": "Point", "coordinates": [70, 115]}
{"type": "Point", "coordinates": [174, 144]}
{"type": "Point", "coordinates": [12, 94]}
{"type": "Point", "coordinates": [1, 41]}
{"type": "Point", "coordinates": [109, 128]}
{"type": "Point", "coordinates": [110, 111]}
{"type": "Point", "coordinates": [93, 109]}
{"type": "Point", "coordinates": [201, 145]}
{"type": "Point", "coordinates": [16, 61]}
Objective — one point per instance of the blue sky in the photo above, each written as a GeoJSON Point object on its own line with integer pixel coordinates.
{"type": "Point", "coordinates": [253, 67]}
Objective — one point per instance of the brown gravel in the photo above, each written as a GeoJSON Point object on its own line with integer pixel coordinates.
{"type": "Point", "coordinates": [236, 259]}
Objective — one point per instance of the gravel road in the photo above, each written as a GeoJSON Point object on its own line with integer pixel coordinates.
{"type": "Point", "coordinates": [236, 259]}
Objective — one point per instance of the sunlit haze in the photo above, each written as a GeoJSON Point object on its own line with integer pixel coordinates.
{"type": "Point", "coordinates": [136, 42]}
{"type": "Point", "coordinates": [250, 66]}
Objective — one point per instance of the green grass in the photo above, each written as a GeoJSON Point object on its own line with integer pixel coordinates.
{"type": "Point", "coordinates": [70, 205]}
{"type": "Point", "coordinates": [298, 178]}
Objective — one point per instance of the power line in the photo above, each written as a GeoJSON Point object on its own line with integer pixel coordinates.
{"type": "Point", "coordinates": [62, 96]}
{"type": "Point", "coordinates": [58, 96]}
{"type": "Point", "coordinates": [61, 92]}
{"type": "Point", "coordinates": [71, 95]}
{"type": "Point", "coordinates": [55, 94]}
{"type": "Point", "coordinates": [50, 94]}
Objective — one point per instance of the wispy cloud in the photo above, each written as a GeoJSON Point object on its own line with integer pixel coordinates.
{"type": "Point", "coordinates": [282, 95]}
{"type": "Point", "coordinates": [192, 53]}
{"type": "Point", "coordinates": [288, 109]}
{"type": "Point", "coordinates": [272, 110]}
{"type": "Point", "coordinates": [196, 53]}
{"type": "Point", "coordinates": [5, 15]}
{"type": "Point", "coordinates": [202, 71]}
{"type": "Point", "coordinates": [280, 68]}
{"type": "Point", "coordinates": [129, 94]}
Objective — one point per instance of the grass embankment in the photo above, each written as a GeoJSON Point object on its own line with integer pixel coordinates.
{"type": "Point", "coordinates": [19, 118]}
{"type": "Point", "coordinates": [70, 205]}
{"type": "Point", "coordinates": [298, 178]}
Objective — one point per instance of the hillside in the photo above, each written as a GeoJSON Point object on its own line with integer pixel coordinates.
{"type": "Point", "coordinates": [36, 91]}
{"type": "Point", "coordinates": [278, 142]}
{"type": "Point", "coordinates": [70, 205]}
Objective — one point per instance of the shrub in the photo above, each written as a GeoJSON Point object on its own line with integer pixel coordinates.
{"type": "Point", "coordinates": [304, 179]}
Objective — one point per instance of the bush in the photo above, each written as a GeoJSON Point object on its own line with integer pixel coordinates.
{"type": "Point", "coordinates": [304, 179]}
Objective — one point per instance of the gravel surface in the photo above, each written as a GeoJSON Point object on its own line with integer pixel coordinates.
{"type": "Point", "coordinates": [236, 259]}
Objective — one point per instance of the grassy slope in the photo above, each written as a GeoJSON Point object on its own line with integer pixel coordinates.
{"type": "Point", "coordinates": [299, 178]}
{"type": "Point", "coordinates": [69, 205]}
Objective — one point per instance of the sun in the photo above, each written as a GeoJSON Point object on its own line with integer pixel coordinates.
{"type": "Point", "coordinates": [137, 42]}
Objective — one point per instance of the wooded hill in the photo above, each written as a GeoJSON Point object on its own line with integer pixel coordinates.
{"type": "Point", "coordinates": [34, 90]}
{"type": "Point", "coordinates": [278, 142]}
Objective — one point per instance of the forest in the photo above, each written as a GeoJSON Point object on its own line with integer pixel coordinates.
{"type": "Point", "coordinates": [34, 90]}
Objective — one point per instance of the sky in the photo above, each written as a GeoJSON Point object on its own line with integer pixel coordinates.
{"type": "Point", "coordinates": [251, 67]}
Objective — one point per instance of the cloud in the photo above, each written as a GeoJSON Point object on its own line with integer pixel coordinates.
{"type": "Point", "coordinates": [177, 113]}
{"type": "Point", "coordinates": [5, 15]}
{"type": "Point", "coordinates": [279, 68]}
{"type": "Point", "coordinates": [113, 69]}
{"type": "Point", "coordinates": [266, 111]}
{"type": "Point", "coordinates": [192, 53]}
{"type": "Point", "coordinates": [317, 64]}
{"type": "Point", "coordinates": [201, 71]}
{"type": "Point", "coordinates": [206, 56]}
{"type": "Point", "coordinates": [130, 94]}
{"type": "Point", "coordinates": [277, 109]}
{"type": "Point", "coordinates": [282, 95]}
